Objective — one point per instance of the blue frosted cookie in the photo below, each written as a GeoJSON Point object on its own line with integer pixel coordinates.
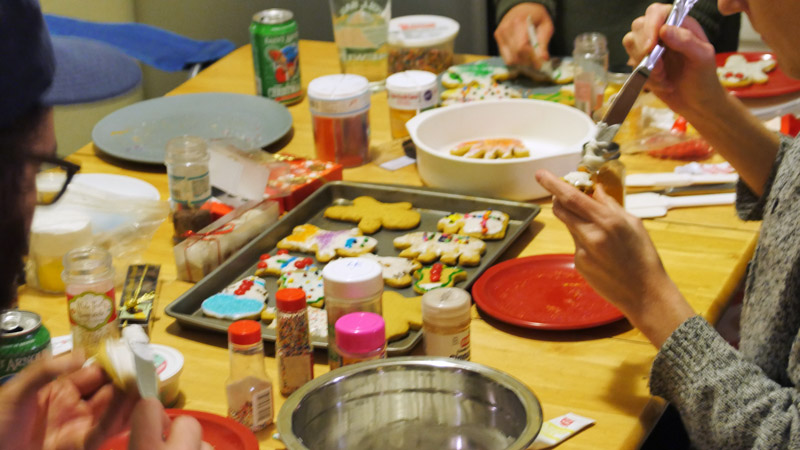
{"type": "Point", "coordinates": [231, 307]}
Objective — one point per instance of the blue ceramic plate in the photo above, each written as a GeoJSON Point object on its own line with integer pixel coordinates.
{"type": "Point", "coordinates": [140, 132]}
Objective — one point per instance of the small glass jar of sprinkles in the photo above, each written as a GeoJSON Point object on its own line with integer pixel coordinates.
{"type": "Point", "coordinates": [293, 347]}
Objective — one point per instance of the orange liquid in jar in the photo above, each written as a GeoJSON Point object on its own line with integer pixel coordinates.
{"type": "Point", "coordinates": [398, 119]}
{"type": "Point", "coordinates": [612, 176]}
{"type": "Point", "coordinates": [344, 140]}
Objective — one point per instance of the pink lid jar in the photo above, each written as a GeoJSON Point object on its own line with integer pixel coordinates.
{"type": "Point", "coordinates": [360, 336]}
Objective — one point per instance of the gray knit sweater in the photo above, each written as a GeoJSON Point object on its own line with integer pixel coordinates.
{"type": "Point", "coordinates": [747, 399]}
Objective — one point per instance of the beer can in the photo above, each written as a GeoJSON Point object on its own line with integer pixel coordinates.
{"type": "Point", "coordinates": [23, 340]}
{"type": "Point", "coordinates": [274, 37]}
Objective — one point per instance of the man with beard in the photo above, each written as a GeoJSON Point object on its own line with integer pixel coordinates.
{"type": "Point", "coordinates": [57, 403]}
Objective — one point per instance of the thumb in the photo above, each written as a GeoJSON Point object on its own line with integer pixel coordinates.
{"type": "Point", "coordinates": [148, 423]}
{"type": "Point", "coordinates": [185, 433]}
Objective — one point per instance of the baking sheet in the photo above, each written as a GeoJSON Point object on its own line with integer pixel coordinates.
{"type": "Point", "coordinates": [432, 205]}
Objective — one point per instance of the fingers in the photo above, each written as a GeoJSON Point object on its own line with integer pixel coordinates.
{"type": "Point", "coordinates": [41, 372]}
{"type": "Point", "coordinates": [119, 412]}
{"type": "Point", "coordinates": [148, 425]}
{"type": "Point", "coordinates": [185, 433]}
{"type": "Point", "coordinates": [88, 379]}
{"type": "Point", "coordinates": [571, 199]}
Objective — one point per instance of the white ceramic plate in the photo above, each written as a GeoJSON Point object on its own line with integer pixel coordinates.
{"type": "Point", "coordinates": [140, 132]}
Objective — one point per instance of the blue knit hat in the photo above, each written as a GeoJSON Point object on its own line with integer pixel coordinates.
{"type": "Point", "coordinates": [36, 69]}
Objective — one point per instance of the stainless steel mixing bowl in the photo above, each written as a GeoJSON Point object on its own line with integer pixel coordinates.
{"type": "Point", "coordinates": [413, 403]}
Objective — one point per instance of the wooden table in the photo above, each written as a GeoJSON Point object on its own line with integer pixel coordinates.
{"type": "Point", "coordinates": [600, 373]}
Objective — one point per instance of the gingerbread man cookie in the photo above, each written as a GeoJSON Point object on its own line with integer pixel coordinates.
{"type": "Point", "coordinates": [487, 224]}
{"type": "Point", "coordinates": [452, 249]}
{"type": "Point", "coordinates": [310, 281]}
{"type": "Point", "coordinates": [327, 244]}
{"type": "Point", "coordinates": [401, 314]}
{"type": "Point", "coordinates": [282, 262]}
{"type": "Point", "coordinates": [396, 270]}
{"type": "Point", "coordinates": [371, 215]}
{"type": "Point", "coordinates": [437, 276]}
{"type": "Point", "coordinates": [739, 72]}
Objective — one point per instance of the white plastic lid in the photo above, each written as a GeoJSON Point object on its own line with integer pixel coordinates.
{"type": "Point", "coordinates": [338, 94]}
{"type": "Point", "coordinates": [352, 278]}
{"type": "Point", "coordinates": [168, 361]}
{"type": "Point", "coordinates": [411, 81]}
{"type": "Point", "coordinates": [446, 306]}
{"type": "Point", "coordinates": [421, 30]}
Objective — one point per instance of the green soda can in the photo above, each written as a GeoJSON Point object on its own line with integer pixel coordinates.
{"type": "Point", "coordinates": [273, 35]}
{"type": "Point", "coordinates": [23, 340]}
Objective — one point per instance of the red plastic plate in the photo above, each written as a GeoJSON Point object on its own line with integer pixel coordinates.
{"type": "Point", "coordinates": [221, 432]}
{"type": "Point", "coordinates": [778, 84]}
{"type": "Point", "coordinates": [544, 292]}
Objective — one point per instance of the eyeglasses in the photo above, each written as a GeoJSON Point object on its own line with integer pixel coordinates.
{"type": "Point", "coordinates": [53, 177]}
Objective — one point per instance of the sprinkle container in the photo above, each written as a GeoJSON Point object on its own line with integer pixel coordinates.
{"type": "Point", "coordinates": [409, 92]}
{"type": "Point", "coordinates": [421, 42]}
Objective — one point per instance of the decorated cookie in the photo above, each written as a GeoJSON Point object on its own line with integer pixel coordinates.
{"type": "Point", "coordinates": [491, 149]}
{"type": "Point", "coordinates": [371, 215]}
{"type": "Point", "coordinates": [480, 72]}
{"type": "Point", "coordinates": [739, 72]}
{"type": "Point", "coordinates": [487, 224]}
{"type": "Point", "coordinates": [282, 262]}
{"type": "Point", "coordinates": [401, 314]}
{"type": "Point", "coordinates": [244, 299]}
{"type": "Point", "coordinates": [396, 270]}
{"type": "Point", "coordinates": [492, 90]}
{"type": "Point", "coordinates": [310, 281]}
{"type": "Point", "coordinates": [437, 276]}
{"type": "Point", "coordinates": [452, 249]}
{"type": "Point", "coordinates": [327, 244]}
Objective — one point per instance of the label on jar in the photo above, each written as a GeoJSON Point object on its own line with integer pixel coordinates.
{"type": "Point", "coordinates": [453, 345]}
{"type": "Point", "coordinates": [91, 310]}
{"type": "Point", "coordinates": [413, 100]}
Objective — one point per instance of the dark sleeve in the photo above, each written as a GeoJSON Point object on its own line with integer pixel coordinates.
{"type": "Point", "coordinates": [501, 7]}
{"type": "Point", "coordinates": [724, 400]}
{"type": "Point", "coordinates": [749, 206]}
{"type": "Point", "coordinates": [721, 31]}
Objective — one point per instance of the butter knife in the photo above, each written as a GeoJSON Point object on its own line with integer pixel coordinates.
{"type": "Point", "coordinates": [618, 111]}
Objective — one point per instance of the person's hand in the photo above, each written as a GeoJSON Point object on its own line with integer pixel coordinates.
{"type": "Point", "coordinates": [55, 403]}
{"type": "Point", "coordinates": [685, 77]}
{"type": "Point", "coordinates": [615, 255]}
{"type": "Point", "coordinates": [151, 429]}
{"type": "Point", "coordinates": [512, 35]}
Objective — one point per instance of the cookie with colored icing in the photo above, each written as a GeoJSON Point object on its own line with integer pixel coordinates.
{"type": "Point", "coordinates": [327, 244]}
{"type": "Point", "coordinates": [491, 90]}
{"type": "Point", "coordinates": [480, 72]}
{"type": "Point", "coordinates": [371, 214]}
{"type": "Point", "coordinates": [281, 262]}
{"type": "Point", "coordinates": [401, 314]}
{"type": "Point", "coordinates": [452, 249]}
{"type": "Point", "coordinates": [244, 299]}
{"type": "Point", "coordinates": [317, 323]}
{"type": "Point", "coordinates": [310, 281]}
{"type": "Point", "coordinates": [739, 72]}
{"type": "Point", "coordinates": [491, 149]}
{"type": "Point", "coordinates": [396, 270]}
{"type": "Point", "coordinates": [486, 224]}
{"type": "Point", "coordinates": [437, 276]}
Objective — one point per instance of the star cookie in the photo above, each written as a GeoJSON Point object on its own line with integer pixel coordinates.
{"type": "Point", "coordinates": [437, 276]}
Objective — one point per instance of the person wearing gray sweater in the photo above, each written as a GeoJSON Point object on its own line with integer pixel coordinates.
{"type": "Point", "coordinates": [726, 398]}
{"type": "Point", "coordinates": [558, 22]}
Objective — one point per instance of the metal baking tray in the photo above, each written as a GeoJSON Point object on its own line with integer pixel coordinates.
{"type": "Point", "coordinates": [432, 204]}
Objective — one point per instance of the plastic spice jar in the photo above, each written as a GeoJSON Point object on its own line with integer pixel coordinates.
{"type": "Point", "coordinates": [421, 42]}
{"type": "Point", "coordinates": [249, 388]}
{"type": "Point", "coordinates": [351, 285]}
{"type": "Point", "coordinates": [360, 336]}
{"type": "Point", "coordinates": [293, 344]}
{"type": "Point", "coordinates": [409, 93]}
{"type": "Point", "coordinates": [340, 117]}
{"type": "Point", "coordinates": [445, 322]}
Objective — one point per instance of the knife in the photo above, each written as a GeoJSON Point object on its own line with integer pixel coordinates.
{"type": "Point", "coordinates": [618, 111]}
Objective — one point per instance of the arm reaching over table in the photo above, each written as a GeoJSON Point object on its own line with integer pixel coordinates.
{"type": "Point", "coordinates": [512, 37]}
{"type": "Point", "coordinates": [685, 79]}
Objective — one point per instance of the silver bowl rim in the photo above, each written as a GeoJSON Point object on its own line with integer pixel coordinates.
{"type": "Point", "coordinates": [527, 397]}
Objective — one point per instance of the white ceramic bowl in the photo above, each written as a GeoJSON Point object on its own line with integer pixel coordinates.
{"type": "Point", "coordinates": [554, 134]}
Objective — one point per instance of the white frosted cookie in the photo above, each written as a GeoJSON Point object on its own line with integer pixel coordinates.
{"type": "Point", "coordinates": [396, 270]}
{"type": "Point", "coordinates": [327, 244]}
{"type": "Point", "coordinates": [487, 224]}
{"type": "Point", "coordinates": [451, 249]}
{"type": "Point", "coordinates": [739, 72]}
{"type": "Point", "coordinates": [282, 262]}
{"type": "Point", "coordinates": [474, 92]}
{"type": "Point", "coordinates": [480, 72]}
{"type": "Point", "coordinates": [310, 281]}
